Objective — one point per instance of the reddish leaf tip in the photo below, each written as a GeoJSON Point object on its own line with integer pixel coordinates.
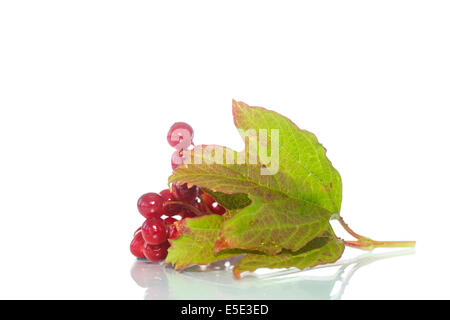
{"type": "Point", "coordinates": [237, 274]}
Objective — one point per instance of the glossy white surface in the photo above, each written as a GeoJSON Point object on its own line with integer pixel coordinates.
{"type": "Point", "coordinates": [217, 282]}
{"type": "Point", "coordinates": [88, 90]}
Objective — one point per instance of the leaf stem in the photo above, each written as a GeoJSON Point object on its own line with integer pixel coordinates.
{"type": "Point", "coordinates": [347, 228]}
{"type": "Point", "coordinates": [365, 243]}
{"type": "Point", "coordinates": [372, 244]}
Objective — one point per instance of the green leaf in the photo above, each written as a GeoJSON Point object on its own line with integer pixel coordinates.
{"type": "Point", "coordinates": [271, 226]}
{"type": "Point", "coordinates": [196, 243]}
{"type": "Point", "coordinates": [230, 201]}
{"type": "Point", "coordinates": [301, 156]}
{"type": "Point", "coordinates": [321, 250]}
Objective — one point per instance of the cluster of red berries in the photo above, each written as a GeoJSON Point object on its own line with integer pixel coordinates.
{"type": "Point", "coordinates": [162, 210]}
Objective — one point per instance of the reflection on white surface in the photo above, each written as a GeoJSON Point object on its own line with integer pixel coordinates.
{"type": "Point", "coordinates": [216, 281]}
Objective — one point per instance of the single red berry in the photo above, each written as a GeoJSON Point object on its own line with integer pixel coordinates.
{"type": "Point", "coordinates": [154, 231]}
{"type": "Point", "coordinates": [212, 204]}
{"type": "Point", "coordinates": [170, 220]}
{"type": "Point", "coordinates": [180, 135]}
{"type": "Point", "coordinates": [150, 205]}
{"type": "Point", "coordinates": [217, 209]}
{"type": "Point", "coordinates": [172, 232]}
{"type": "Point", "coordinates": [137, 246]}
{"type": "Point", "coordinates": [166, 195]}
{"type": "Point", "coordinates": [156, 253]}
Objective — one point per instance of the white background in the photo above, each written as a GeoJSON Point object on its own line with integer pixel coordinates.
{"type": "Point", "coordinates": [88, 90]}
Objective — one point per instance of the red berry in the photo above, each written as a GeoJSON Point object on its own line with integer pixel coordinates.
{"type": "Point", "coordinates": [150, 205]}
{"type": "Point", "coordinates": [137, 246]}
{"type": "Point", "coordinates": [170, 220]}
{"type": "Point", "coordinates": [212, 204]}
{"type": "Point", "coordinates": [180, 135]}
{"type": "Point", "coordinates": [172, 232]}
{"type": "Point", "coordinates": [166, 195]}
{"type": "Point", "coordinates": [156, 253]}
{"type": "Point", "coordinates": [183, 193]}
{"type": "Point", "coordinates": [217, 209]}
{"type": "Point", "coordinates": [154, 231]}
